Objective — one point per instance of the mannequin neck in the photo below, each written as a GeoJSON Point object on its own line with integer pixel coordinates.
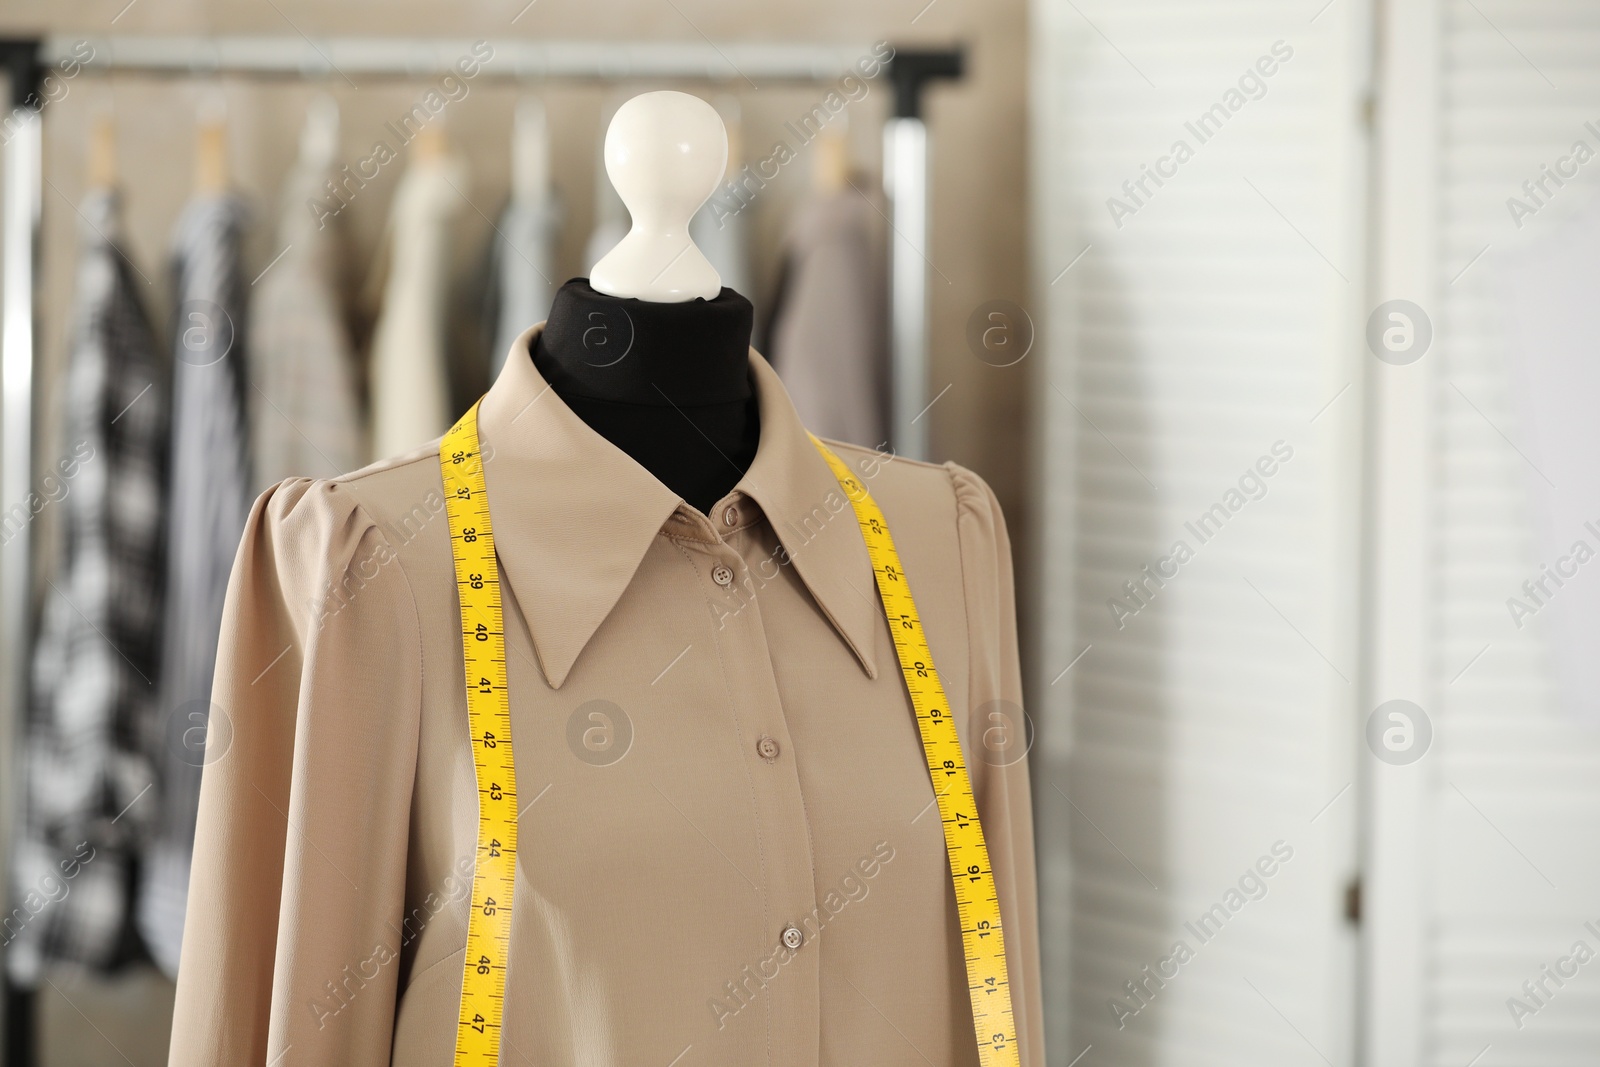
{"type": "Point", "coordinates": [669, 384]}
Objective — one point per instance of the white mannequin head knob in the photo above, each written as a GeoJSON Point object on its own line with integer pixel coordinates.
{"type": "Point", "coordinates": [665, 154]}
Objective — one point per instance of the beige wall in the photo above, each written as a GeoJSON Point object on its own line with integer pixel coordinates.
{"type": "Point", "coordinates": [978, 244]}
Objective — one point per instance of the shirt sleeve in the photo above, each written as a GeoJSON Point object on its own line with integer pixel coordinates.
{"type": "Point", "coordinates": [297, 887]}
{"type": "Point", "coordinates": [999, 739]}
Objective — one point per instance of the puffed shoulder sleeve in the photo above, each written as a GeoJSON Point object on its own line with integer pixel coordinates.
{"type": "Point", "coordinates": [1000, 739]}
{"type": "Point", "coordinates": [297, 889]}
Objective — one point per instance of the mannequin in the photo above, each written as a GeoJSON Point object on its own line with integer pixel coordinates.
{"type": "Point", "coordinates": [652, 352]}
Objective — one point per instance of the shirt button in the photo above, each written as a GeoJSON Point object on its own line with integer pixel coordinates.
{"type": "Point", "coordinates": [792, 937]}
{"type": "Point", "coordinates": [768, 748]}
{"type": "Point", "coordinates": [722, 575]}
{"type": "Point", "coordinates": [730, 516]}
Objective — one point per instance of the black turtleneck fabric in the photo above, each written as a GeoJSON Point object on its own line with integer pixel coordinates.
{"type": "Point", "coordinates": [669, 384]}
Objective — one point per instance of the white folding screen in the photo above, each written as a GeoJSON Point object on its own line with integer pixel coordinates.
{"type": "Point", "coordinates": [1192, 318]}
{"type": "Point", "coordinates": [1511, 817]}
{"type": "Point", "coordinates": [1199, 176]}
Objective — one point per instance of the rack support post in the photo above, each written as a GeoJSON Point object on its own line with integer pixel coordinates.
{"type": "Point", "coordinates": [906, 186]}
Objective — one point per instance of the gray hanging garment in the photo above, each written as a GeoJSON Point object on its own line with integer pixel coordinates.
{"type": "Point", "coordinates": [829, 335]}
{"type": "Point", "coordinates": [210, 500]}
{"type": "Point", "coordinates": [305, 420]}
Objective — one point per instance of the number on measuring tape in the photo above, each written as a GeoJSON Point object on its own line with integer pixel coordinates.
{"type": "Point", "coordinates": [483, 972]}
{"type": "Point", "coordinates": [977, 902]}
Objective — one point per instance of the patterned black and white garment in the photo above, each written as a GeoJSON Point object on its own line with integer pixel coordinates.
{"type": "Point", "coordinates": [87, 806]}
{"type": "Point", "coordinates": [210, 500]}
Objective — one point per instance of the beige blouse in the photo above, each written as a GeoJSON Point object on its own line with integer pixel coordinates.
{"type": "Point", "coordinates": [713, 744]}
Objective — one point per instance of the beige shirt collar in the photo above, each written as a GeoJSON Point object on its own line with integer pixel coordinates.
{"type": "Point", "coordinates": [574, 515]}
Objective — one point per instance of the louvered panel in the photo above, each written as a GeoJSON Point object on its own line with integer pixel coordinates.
{"type": "Point", "coordinates": [1516, 786]}
{"type": "Point", "coordinates": [1176, 352]}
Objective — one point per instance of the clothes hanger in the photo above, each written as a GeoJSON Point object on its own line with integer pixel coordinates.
{"type": "Point", "coordinates": [319, 137]}
{"type": "Point", "coordinates": [103, 152]}
{"type": "Point", "coordinates": [665, 153]}
{"type": "Point", "coordinates": [431, 144]}
{"type": "Point", "coordinates": [211, 147]}
{"type": "Point", "coordinates": [830, 168]}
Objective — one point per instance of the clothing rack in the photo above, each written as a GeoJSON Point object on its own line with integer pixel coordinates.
{"type": "Point", "coordinates": [731, 65]}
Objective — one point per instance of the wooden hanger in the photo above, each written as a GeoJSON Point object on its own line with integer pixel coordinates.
{"type": "Point", "coordinates": [103, 152]}
{"type": "Point", "coordinates": [830, 170]}
{"type": "Point", "coordinates": [319, 137]}
{"type": "Point", "coordinates": [211, 151]}
{"type": "Point", "coordinates": [431, 142]}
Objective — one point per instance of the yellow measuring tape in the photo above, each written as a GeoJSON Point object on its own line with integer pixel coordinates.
{"type": "Point", "coordinates": [483, 642]}
{"type": "Point", "coordinates": [488, 715]}
{"type": "Point", "coordinates": [977, 902]}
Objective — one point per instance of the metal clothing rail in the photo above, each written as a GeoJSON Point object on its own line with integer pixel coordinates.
{"type": "Point", "coordinates": [394, 57]}
{"type": "Point", "coordinates": [731, 65]}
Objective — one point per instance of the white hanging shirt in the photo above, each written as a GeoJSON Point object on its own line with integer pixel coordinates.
{"type": "Point", "coordinates": [410, 382]}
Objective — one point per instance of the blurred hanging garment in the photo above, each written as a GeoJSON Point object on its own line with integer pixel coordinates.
{"type": "Point", "coordinates": [305, 419]}
{"type": "Point", "coordinates": [611, 219]}
{"type": "Point", "coordinates": [87, 804]}
{"type": "Point", "coordinates": [521, 268]}
{"type": "Point", "coordinates": [522, 247]}
{"type": "Point", "coordinates": [210, 499]}
{"type": "Point", "coordinates": [718, 228]}
{"type": "Point", "coordinates": [828, 337]}
{"type": "Point", "coordinates": [410, 376]}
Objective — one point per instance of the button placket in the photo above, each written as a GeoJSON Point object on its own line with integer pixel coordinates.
{"type": "Point", "coordinates": [757, 716]}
